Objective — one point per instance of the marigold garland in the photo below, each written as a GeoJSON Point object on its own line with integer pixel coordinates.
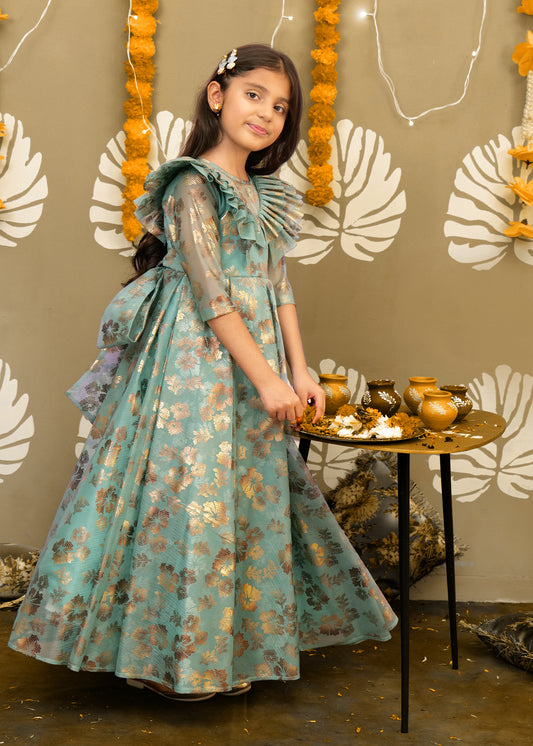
{"type": "Point", "coordinates": [519, 229]}
{"type": "Point", "coordinates": [523, 56]}
{"type": "Point", "coordinates": [526, 7]}
{"type": "Point", "coordinates": [323, 94]}
{"type": "Point", "coordinates": [140, 71]}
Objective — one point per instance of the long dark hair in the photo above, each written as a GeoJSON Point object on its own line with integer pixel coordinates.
{"type": "Point", "coordinates": [205, 132]}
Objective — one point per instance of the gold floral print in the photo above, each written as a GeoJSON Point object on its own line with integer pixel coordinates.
{"type": "Point", "coordinates": [192, 547]}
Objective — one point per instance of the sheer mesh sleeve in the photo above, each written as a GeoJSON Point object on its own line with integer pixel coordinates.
{"type": "Point", "coordinates": [191, 228]}
{"type": "Point", "coordinates": [277, 272]}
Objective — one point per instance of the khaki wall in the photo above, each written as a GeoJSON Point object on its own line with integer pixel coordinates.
{"type": "Point", "coordinates": [409, 307]}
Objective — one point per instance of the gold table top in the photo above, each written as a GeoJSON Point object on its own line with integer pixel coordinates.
{"type": "Point", "coordinates": [477, 429]}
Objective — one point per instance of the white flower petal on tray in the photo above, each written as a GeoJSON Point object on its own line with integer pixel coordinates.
{"type": "Point", "coordinates": [386, 431]}
{"type": "Point", "coordinates": [349, 421]}
{"type": "Point", "coordinates": [346, 432]}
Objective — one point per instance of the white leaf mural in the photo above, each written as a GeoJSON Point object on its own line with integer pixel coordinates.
{"type": "Point", "coordinates": [22, 190]}
{"type": "Point", "coordinates": [16, 427]}
{"type": "Point", "coordinates": [481, 206]}
{"type": "Point", "coordinates": [327, 461]}
{"type": "Point", "coordinates": [364, 216]}
{"type": "Point", "coordinates": [167, 138]}
{"type": "Point", "coordinates": [84, 428]}
{"type": "Point", "coordinates": [507, 463]}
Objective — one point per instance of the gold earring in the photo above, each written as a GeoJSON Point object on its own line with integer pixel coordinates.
{"type": "Point", "coordinates": [216, 107]}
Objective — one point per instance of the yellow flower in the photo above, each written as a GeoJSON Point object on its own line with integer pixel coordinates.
{"type": "Point", "coordinates": [519, 230]}
{"type": "Point", "coordinates": [3, 16]}
{"type": "Point", "coordinates": [526, 7]}
{"type": "Point", "coordinates": [326, 56]}
{"type": "Point", "coordinates": [320, 175]}
{"type": "Point", "coordinates": [326, 15]}
{"type": "Point", "coordinates": [140, 71]}
{"type": "Point", "coordinates": [323, 95]}
{"type": "Point", "coordinates": [324, 74]}
{"type": "Point", "coordinates": [319, 151]}
{"type": "Point", "coordinates": [144, 6]}
{"type": "Point", "coordinates": [523, 55]}
{"type": "Point", "coordinates": [321, 134]}
{"type": "Point", "coordinates": [2, 206]}
{"type": "Point", "coordinates": [524, 152]}
{"type": "Point", "coordinates": [142, 25]}
{"type": "Point", "coordinates": [523, 190]}
{"type": "Point", "coordinates": [319, 195]}
{"type": "Point", "coordinates": [321, 115]}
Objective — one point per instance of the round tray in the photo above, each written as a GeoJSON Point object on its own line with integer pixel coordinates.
{"type": "Point", "coordinates": [337, 439]}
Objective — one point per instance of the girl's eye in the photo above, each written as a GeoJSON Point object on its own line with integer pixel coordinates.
{"type": "Point", "coordinates": [252, 94]}
{"type": "Point", "coordinates": [280, 109]}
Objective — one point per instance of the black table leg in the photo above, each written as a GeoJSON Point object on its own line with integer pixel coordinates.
{"type": "Point", "coordinates": [303, 447]}
{"type": "Point", "coordinates": [446, 486]}
{"type": "Point", "coordinates": [403, 537]}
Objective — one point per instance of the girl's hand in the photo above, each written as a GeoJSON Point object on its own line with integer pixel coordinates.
{"type": "Point", "coordinates": [309, 390]}
{"type": "Point", "coordinates": [280, 401]}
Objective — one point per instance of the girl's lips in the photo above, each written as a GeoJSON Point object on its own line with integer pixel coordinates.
{"type": "Point", "coordinates": [257, 129]}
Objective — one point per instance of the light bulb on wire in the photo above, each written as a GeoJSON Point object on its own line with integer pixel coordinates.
{"type": "Point", "coordinates": [389, 81]}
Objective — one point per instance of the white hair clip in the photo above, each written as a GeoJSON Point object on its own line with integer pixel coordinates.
{"type": "Point", "coordinates": [227, 62]}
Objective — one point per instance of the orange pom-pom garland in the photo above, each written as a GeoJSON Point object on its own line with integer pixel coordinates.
{"type": "Point", "coordinates": [140, 71]}
{"type": "Point", "coordinates": [323, 94]}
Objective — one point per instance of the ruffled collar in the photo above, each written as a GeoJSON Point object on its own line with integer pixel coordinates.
{"type": "Point", "coordinates": [277, 223]}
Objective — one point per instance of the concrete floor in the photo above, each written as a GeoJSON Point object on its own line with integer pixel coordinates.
{"type": "Point", "coordinates": [346, 695]}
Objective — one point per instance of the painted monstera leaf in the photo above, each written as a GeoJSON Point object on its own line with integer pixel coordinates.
{"type": "Point", "coordinates": [167, 138]}
{"type": "Point", "coordinates": [507, 463]}
{"type": "Point", "coordinates": [84, 428]}
{"type": "Point", "coordinates": [16, 427]}
{"type": "Point", "coordinates": [22, 189]}
{"type": "Point", "coordinates": [481, 206]}
{"type": "Point", "coordinates": [364, 216]}
{"type": "Point", "coordinates": [330, 462]}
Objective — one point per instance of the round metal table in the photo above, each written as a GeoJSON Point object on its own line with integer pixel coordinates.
{"type": "Point", "coordinates": [477, 429]}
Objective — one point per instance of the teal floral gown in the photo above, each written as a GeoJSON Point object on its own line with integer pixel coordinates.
{"type": "Point", "coordinates": [192, 546]}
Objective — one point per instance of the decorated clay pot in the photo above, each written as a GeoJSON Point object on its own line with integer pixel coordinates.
{"type": "Point", "coordinates": [336, 390]}
{"type": "Point", "coordinates": [414, 393]}
{"type": "Point", "coordinates": [382, 396]}
{"type": "Point", "coordinates": [460, 398]}
{"type": "Point", "coordinates": [437, 410]}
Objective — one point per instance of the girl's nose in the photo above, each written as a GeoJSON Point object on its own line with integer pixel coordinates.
{"type": "Point", "coordinates": [265, 112]}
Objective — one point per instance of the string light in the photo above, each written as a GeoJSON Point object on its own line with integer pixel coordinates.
{"type": "Point", "coordinates": [282, 18]}
{"type": "Point", "coordinates": [390, 83]}
{"type": "Point", "coordinates": [146, 122]}
{"type": "Point", "coordinates": [21, 42]}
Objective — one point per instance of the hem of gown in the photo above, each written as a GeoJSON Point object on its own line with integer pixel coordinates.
{"type": "Point", "coordinates": [321, 642]}
{"type": "Point", "coordinates": [248, 679]}
{"type": "Point", "coordinates": [327, 642]}
{"type": "Point", "coordinates": [141, 675]}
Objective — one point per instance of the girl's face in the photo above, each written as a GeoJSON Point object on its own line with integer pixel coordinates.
{"type": "Point", "coordinates": [254, 109]}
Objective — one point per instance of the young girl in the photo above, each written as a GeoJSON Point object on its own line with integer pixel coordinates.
{"type": "Point", "coordinates": [192, 552]}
